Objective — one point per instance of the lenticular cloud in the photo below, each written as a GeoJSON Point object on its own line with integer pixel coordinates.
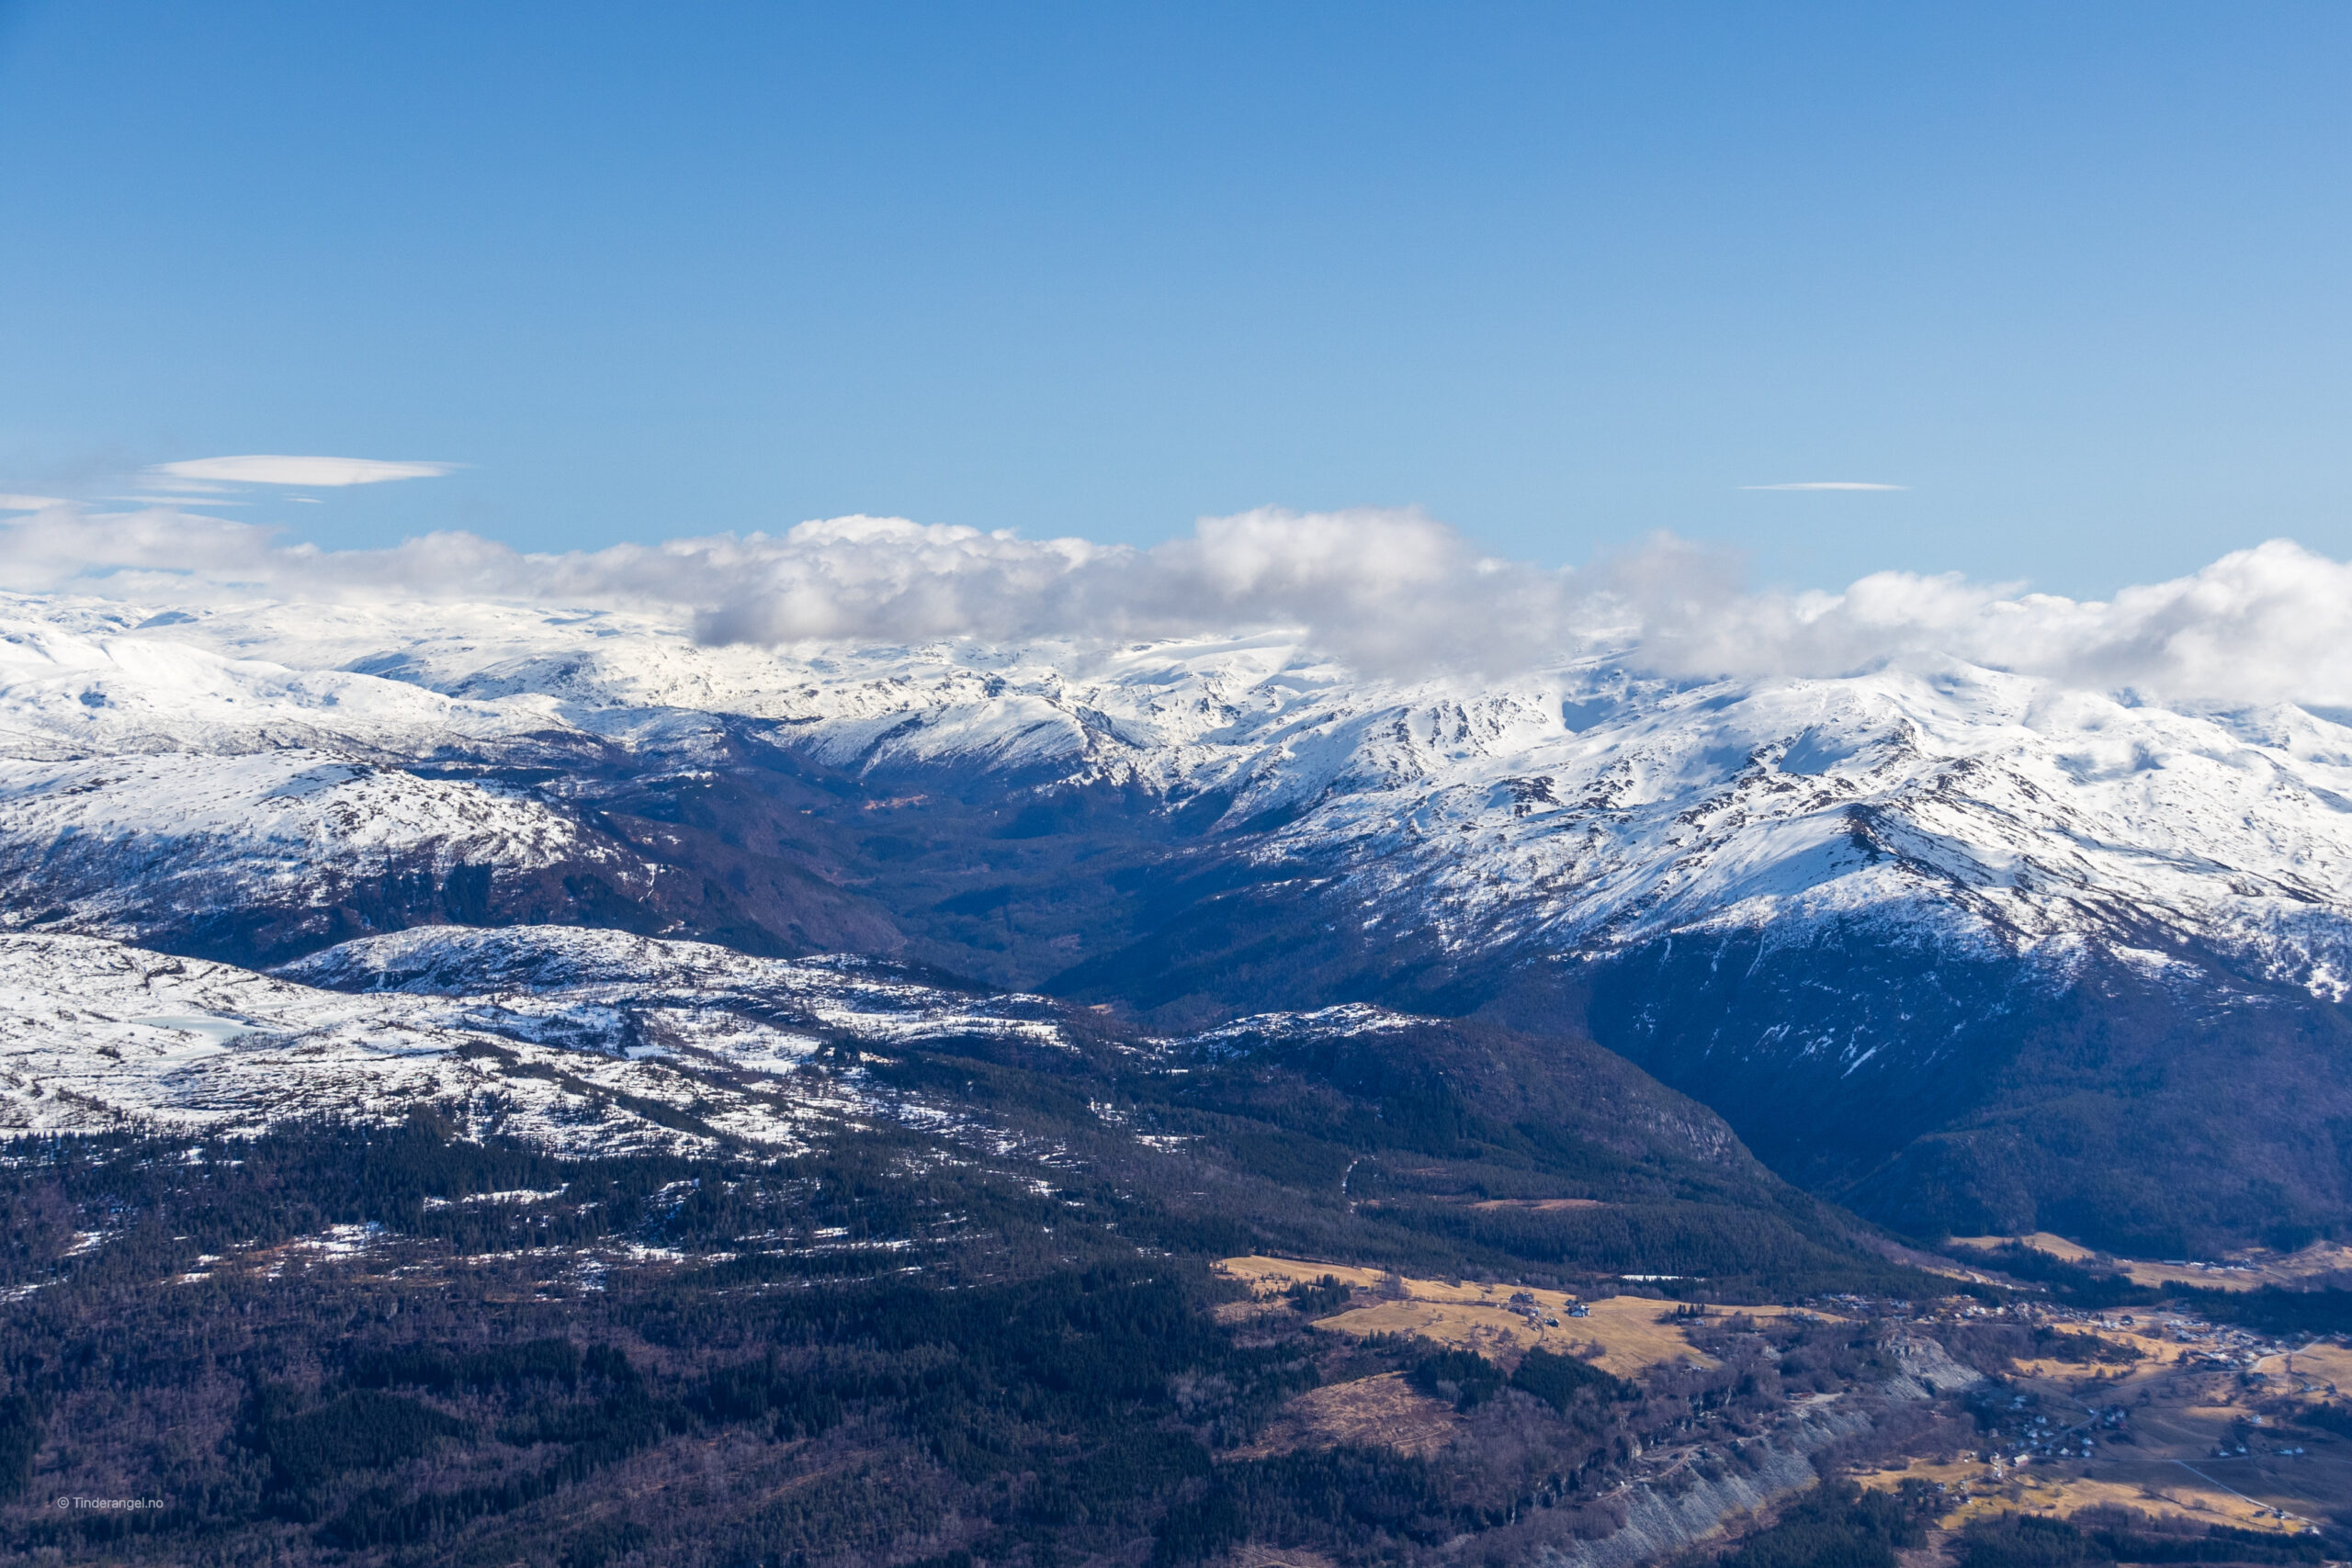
{"type": "Point", "coordinates": [1389, 592]}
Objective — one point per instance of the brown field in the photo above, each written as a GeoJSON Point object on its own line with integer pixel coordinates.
{"type": "Point", "coordinates": [1258, 1554]}
{"type": "Point", "coordinates": [1951, 1270]}
{"type": "Point", "coordinates": [2241, 1271]}
{"type": "Point", "coordinates": [2139, 1271]}
{"type": "Point", "coordinates": [1269, 1276]}
{"type": "Point", "coordinates": [2156, 1350]}
{"type": "Point", "coordinates": [1539, 1205]}
{"type": "Point", "coordinates": [2060, 1496]}
{"type": "Point", "coordinates": [2319, 1364]}
{"type": "Point", "coordinates": [1381, 1411]}
{"type": "Point", "coordinates": [1478, 1317]}
{"type": "Point", "coordinates": [2042, 1367]}
{"type": "Point", "coordinates": [1231, 1313]}
{"type": "Point", "coordinates": [2162, 1461]}
{"type": "Point", "coordinates": [2041, 1241]}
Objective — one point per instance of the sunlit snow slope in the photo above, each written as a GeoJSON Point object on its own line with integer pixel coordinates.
{"type": "Point", "coordinates": [576, 1041]}
{"type": "Point", "coordinates": [1580, 805]}
{"type": "Point", "coordinates": [1912, 928]}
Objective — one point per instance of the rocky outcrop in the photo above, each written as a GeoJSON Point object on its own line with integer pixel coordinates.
{"type": "Point", "coordinates": [1667, 1516]}
{"type": "Point", "coordinates": [1927, 1369]}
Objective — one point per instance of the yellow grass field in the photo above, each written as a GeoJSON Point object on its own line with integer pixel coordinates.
{"type": "Point", "coordinates": [2156, 1351]}
{"type": "Point", "coordinates": [2041, 1241]}
{"type": "Point", "coordinates": [2063, 1495]}
{"type": "Point", "coordinates": [2248, 1270]}
{"type": "Point", "coordinates": [2139, 1271]}
{"type": "Point", "coordinates": [2321, 1363]}
{"type": "Point", "coordinates": [1478, 1317]}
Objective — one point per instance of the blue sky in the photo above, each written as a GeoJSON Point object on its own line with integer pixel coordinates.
{"type": "Point", "coordinates": [1560, 274]}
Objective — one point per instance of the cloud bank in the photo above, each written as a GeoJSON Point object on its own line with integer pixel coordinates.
{"type": "Point", "coordinates": [1391, 591]}
{"type": "Point", "coordinates": [308, 472]}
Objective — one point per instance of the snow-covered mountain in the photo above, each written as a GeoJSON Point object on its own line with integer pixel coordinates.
{"type": "Point", "coordinates": [1915, 874]}
{"type": "Point", "coordinates": [585, 1042]}
{"type": "Point", "coordinates": [577, 1041]}
{"type": "Point", "coordinates": [1578, 806]}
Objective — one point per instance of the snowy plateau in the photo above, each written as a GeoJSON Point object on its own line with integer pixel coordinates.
{"type": "Point", "coordinates": [1964, 949]}
{"type": "Point", "coordinates": [574, 1041]}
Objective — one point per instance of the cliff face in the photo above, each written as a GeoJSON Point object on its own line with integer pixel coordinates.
{"type": "Point", "coordinates": [1666, 1518]}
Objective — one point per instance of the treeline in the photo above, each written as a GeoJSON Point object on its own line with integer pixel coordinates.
{"type": "Point", "coordinates": [2070, 1283]}
{"type": "Point", "coordinates": [160, 1201]}
{"type": "Point", "coordinates": [890, 1339]}
{"type": "Point", "coordinates": [1839, 1525]}
{"type": "Point", "coordinates": [1467, 1380]}
{"type": "Point", "coordinates": [1724, 1252]}
{"type": "Point", "coordinates": [1070, 1409]}
{"type": "Point", "coordinates": [2116, 1535]}
{"type": "Point", "coordinates": [1421, 1125]}
{"type": "Point", "coordinates": [2271, 1309]}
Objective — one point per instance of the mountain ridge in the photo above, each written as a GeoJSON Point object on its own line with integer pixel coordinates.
{"type": "Point", "coordinates": [1892, 922]}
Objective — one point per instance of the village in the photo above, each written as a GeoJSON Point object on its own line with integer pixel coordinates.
{"type": "Point", "coordinates": [2154, 1414]}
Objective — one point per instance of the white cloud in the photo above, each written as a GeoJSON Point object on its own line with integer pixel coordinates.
{"type": "Point", "coordinates": [321, 472]}
{"type": "Point", "coordinates": [1390, 590]}
{"type": "Point", "coordinates": [158, 500]}
{"type": "Point", "coordinates": [29, 502]}
{"type": "Point", "coordinates": [1829, 484]}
